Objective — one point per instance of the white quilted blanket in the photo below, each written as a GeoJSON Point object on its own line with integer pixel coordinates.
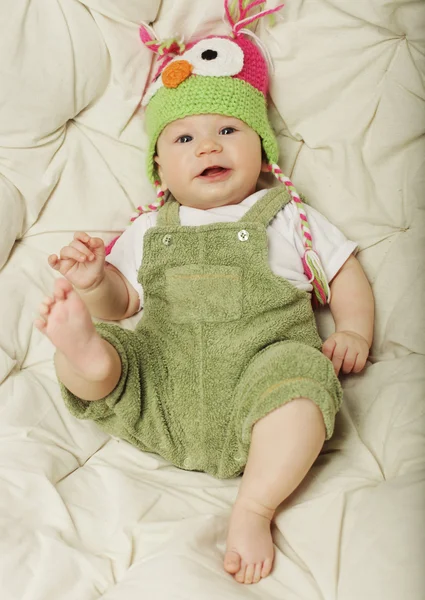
{"type": "Point", "coordinates": [84, 516]}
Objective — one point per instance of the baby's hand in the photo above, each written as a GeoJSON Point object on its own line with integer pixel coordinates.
{"type": "Point", "coordinates": [347, 350]}
{"type": "Point", "coordinates": [82, 263]}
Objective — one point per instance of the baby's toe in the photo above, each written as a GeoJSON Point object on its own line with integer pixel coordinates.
{"type": "Point", "coordinates": [257, 572]}
{"type": "Point", "coordinates": [44, 309]}
{"type": "Point", "coordinates": [249, 574]}
{"type": "Point", "coordinates": [267, 567]}
{"type": "Point", "coordinates": [240, 575]}
{"type": "Point", "coordinates": [62, 288]}
{"type": "Point", "coordinates": [232, 562]}
{"type": "Point", "coordinates": [40, 324]}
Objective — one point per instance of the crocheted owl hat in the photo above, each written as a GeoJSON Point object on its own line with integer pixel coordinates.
{"type": "Point", "coordinates": [225, 75]}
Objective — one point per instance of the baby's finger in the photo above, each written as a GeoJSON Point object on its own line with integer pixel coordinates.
{"type": "Point", "coordinates": [337, 362]}
{"type": "Point", "coordinates": [96, 242]}
{"type": "Point", "coordinates": [349, 360]}
{"type": "Point", "coordinates": [338, 357]}
{"type": "Point", "coordinates": [360, 363]}
{"type": "Point", "coordinates": [98, 246]}
{"type": "Point", "coordinates": [53, 261]}
{"type": "Point", "coordinates": [329, 347]}
{"type": "Point", "coordinates": [83, 249]}
{"type": "Point", "coordinates": [69, 252]}
{"type": "Point", "coordinates": [82, 236]}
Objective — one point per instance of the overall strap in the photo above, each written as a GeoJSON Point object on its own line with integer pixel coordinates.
{"type": "Point", "coordinates": [168, 215]}
{"type": "Point", "coordinates": [267, 207]}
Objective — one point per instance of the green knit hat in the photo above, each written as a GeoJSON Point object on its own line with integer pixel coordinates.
{"type": "Point", "coordinates": [183, 90]}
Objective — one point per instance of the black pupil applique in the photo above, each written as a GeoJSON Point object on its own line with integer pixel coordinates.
{"type": "Point", "coordinates": [209, 55]}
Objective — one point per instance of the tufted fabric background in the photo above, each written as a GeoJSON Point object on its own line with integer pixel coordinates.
{"type": "Point", "coordinates": [85, 517]}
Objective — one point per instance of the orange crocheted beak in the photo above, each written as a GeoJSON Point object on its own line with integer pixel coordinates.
{"type": "Point", "coordinates": [176, 73]}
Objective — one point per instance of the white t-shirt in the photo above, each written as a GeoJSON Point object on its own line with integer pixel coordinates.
{"type": "Point", "coordinates": [284, 235]}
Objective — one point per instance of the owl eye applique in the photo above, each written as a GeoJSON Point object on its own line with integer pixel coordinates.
{"type": "Point", "coordinates": [215, 57]}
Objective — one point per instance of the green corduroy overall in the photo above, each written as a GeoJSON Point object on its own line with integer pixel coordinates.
{"type": "Point", "coordinates": [221, 343]}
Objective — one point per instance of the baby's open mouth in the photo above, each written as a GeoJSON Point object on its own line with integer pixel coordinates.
{"type": "Point", "coordinates": [213, 172]}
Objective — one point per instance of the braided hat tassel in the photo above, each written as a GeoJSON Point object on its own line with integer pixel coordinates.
{"type": "Point", "coordinates": [311, 262]}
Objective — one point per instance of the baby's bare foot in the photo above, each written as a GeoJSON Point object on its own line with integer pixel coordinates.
{"type": "Point", "coordinates": [67, 323]}
{"type": "Point", "coordinates": [249, 553]}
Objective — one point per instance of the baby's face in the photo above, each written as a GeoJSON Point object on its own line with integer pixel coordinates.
{"type": "Point", "coordinates": [209, 160]}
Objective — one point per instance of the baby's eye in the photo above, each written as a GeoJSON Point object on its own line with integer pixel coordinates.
{"type": "Point", "coordinates": [227, 130]}
{"type": "Point", "coordinates": [184, 139]}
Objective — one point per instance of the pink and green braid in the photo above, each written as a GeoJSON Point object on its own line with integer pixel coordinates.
{"type": "Point", "coordinates": [311, 262]}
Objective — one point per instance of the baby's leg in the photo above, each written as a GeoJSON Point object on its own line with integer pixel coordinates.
{"type": "Point", "coordinates": [284, 445]}
{"type": "Point", "coordinates": [85, 363]}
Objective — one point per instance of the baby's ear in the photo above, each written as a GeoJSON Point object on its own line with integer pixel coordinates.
{"type": "Point", "coordinates": [264, 161]}
{"type": "Point", "coordinates": [164, 186]}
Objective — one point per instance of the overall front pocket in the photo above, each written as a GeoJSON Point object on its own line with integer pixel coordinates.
{"type": "Point", "coordinates": [204, 293]}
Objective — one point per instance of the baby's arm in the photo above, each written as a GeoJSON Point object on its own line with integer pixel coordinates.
{"type": "Point", "coordinates": [352, 307]}
{"type": "Point", "coordinates": [113, 298]}
{"type": "Point", "coordinates": [105, 291]}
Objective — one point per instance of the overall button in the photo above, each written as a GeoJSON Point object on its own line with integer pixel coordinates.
{"type": "Point", "coordinates": [167, 239]}
{"type": "Point", "coordinates": [243, 235]}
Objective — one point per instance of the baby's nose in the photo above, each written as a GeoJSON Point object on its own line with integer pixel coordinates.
{"type": "Point", "coordinates": [208, 145]}
{"type": "Point", "coordinates": [176, 73]}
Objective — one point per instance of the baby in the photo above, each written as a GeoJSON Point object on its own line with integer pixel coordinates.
{"type": "Point", "coordinates": [225, 372]}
